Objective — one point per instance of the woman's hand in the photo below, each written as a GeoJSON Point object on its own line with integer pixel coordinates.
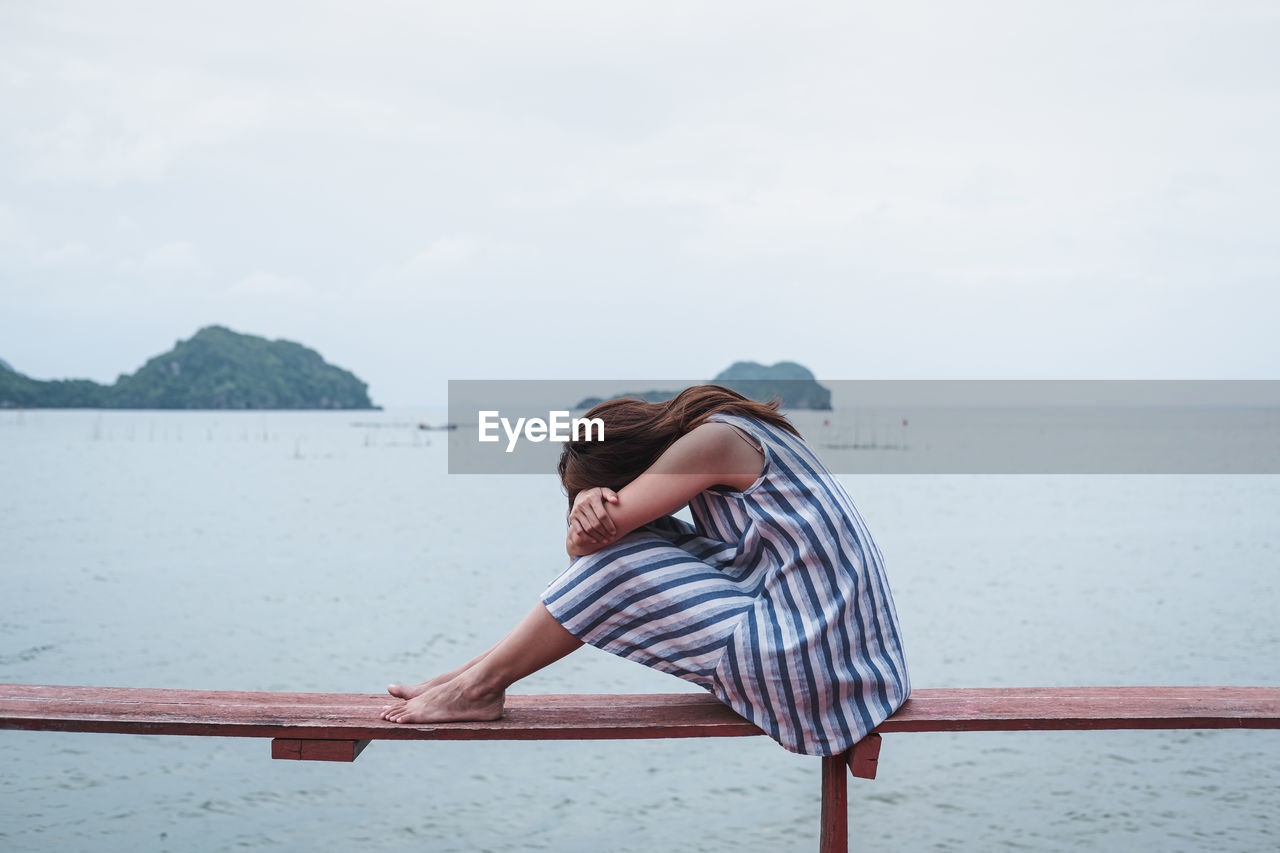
{"type": "Point", "coordinates": [589, 519]}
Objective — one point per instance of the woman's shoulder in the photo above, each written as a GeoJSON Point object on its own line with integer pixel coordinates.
{"type": "Point", "coordinates": [707, 437]}
{"type": "Point", "coordinates": [757, 428]}
{"type": "Point", "coordinates": [736, 425]}
{"type": "Point", "coordinates": [774, 441]}
{"type": "Point", "coordinates": [715, 433]}
{"type": "Point", "coordinates": [738, 452]}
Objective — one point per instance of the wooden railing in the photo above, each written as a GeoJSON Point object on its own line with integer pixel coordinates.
{"type": "Point", "coordinates": [337, 726]}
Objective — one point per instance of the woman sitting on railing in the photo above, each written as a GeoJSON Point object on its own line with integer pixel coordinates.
{"type": "Point", "coordinates": [775, 599]}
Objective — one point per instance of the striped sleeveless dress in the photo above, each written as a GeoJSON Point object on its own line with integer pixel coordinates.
{"type": "Point", "coordinates": [775, 599]}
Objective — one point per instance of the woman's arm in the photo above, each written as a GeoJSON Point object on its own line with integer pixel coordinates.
{"type": "Point", "coordinates": [708, 455]}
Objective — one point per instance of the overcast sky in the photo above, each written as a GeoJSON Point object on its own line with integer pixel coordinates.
{"type": "Point", "coordinates": [426, 191]}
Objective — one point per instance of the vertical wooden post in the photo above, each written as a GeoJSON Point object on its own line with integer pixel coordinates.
{"type": "Point", "coordinates": [835, 804]}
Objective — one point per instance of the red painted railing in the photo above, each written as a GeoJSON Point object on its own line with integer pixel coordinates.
{"type": "Point", "coordinates": [337, 726]}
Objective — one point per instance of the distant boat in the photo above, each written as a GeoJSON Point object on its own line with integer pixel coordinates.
{"type": "Point", "coordinates": [438, 426]}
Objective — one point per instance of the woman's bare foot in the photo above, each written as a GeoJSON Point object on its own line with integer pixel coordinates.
{"type": "Point", "coordinates": [476, 691]}
{"type": "Point", "coordinates": [452, 701]}
{"type": "Point", "coordinates": [402, 691]}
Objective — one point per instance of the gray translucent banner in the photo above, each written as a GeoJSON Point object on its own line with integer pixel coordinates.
{"type": "Point", "coordinates": [918, 426]}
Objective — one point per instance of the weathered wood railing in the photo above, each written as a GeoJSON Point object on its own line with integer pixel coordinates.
{"type": "Point", "coordinates": [337, 726]}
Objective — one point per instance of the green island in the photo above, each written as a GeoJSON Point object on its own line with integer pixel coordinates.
{"type": "Point", "coordinates": [792, 383]}
{"type": "Point", "coordinates": [216, 369]}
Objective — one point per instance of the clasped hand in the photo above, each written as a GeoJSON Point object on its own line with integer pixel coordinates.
{"type": "Point", "coordinates": [589, 519]}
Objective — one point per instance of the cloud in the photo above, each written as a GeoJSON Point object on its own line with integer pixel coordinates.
{"type": "Point", "coordinates": [268, 287]}
{"type": "Point", "coordinates": [446, 254]}
{"type": "Point", "coordinates": [12, 229]}
{"type": "Point", "coordinates": [974, 180]}
{"type": "Point", "coordinates": [67, 254]}
{"type": "Point", "coordinates": [120, 125]}
{"type": "Point", "coordinates": [177, 258]}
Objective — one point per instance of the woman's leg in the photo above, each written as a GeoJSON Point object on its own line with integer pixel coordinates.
{"type": "Point", "coordinates": [404, 691]}
{"type": "Point", "coordinates": [476, 690]}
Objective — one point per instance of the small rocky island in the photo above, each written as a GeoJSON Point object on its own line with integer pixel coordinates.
{"type": "Point", "coordinates": [216, 369]}
{"type": "Point", "coordinates": [793, 383]}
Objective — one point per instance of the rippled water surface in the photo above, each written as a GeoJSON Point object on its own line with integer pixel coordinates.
{"type": "Point", "coordinates": [332, 552]}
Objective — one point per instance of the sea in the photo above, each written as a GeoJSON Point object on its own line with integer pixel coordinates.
{"type": "Point", "coordinates": [333, 552]}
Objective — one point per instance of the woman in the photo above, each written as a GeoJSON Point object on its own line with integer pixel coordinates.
{"type": "Point", "coordinates": [775, 599]}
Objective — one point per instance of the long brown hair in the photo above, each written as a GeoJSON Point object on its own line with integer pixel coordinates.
{"type": "Point", "coordinates": [637, 432]}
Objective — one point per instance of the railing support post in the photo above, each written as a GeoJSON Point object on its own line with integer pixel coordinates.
{"type": "Point", "coordinates": [835, 804]}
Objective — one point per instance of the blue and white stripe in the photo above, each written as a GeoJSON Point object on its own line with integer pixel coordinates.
{"type": "Point", "coordinates": [775, 600]}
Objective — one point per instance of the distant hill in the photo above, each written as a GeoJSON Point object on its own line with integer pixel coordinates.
{"type": "Point", "coordinates": [4, 365]}
{"type": "Point", "coordinates": [216, 369]}
{"type": "Point", "coordinates": [794, 384]}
